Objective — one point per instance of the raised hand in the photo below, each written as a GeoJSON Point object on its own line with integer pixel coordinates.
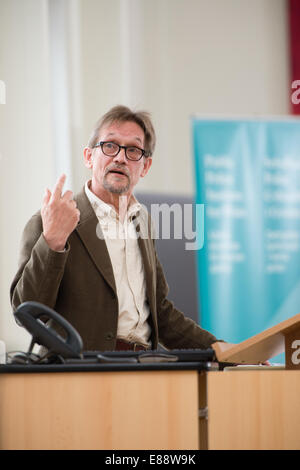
{"type": "Point", "coordinates": [60, 215]}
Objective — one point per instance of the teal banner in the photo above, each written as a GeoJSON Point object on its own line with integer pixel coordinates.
{"type": "Point", "coordinates": [248, 178]}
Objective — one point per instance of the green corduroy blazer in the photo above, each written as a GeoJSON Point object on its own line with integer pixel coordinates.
{"type": "Point", "coordinates": [79, 284]}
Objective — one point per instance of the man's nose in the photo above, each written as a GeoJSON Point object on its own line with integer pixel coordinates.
{"type": "Point", "coordinates": [121, 156]}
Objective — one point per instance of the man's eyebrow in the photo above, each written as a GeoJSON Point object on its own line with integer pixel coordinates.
{"type": "Point", "coordinates": [113, 134]}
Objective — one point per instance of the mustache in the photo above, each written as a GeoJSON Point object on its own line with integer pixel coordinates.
{"type": "Point", "coordinates": [116, 167]}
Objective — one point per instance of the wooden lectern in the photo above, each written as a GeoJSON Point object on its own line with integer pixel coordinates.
{"type": "Point", "coordinates": [284, 337]}
{"type": "Point", "coordinates": [159, 406]}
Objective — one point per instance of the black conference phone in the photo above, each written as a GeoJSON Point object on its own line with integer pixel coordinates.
{"type": "Point", "coordinates": [39, 321]}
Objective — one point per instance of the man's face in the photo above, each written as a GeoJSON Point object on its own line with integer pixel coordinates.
{"type": "Point", "coordinates": [117, 175]}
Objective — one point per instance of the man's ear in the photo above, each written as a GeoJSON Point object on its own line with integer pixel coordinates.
{"type": "Point", "coordinates": [147, 164]}
{"type": "Point", "coordinates": [88, 157]}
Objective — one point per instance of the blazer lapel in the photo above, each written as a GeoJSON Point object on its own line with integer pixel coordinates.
{"type": "Point", "coordinates": [143, 228]}
{"type": "Point", "coordinates": [90, 232]}
{"type": "Point", "coordinates": [143, 244]}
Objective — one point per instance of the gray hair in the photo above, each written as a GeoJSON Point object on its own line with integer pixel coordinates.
{"type": "Point", "coordinates": [123, 114]}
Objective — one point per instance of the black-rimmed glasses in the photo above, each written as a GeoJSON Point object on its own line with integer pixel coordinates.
{"type": "Point", "coordinates": [111, 149]}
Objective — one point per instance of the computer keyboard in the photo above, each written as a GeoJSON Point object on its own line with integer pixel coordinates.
{"type": "Point", "coordinates": [179, 355]}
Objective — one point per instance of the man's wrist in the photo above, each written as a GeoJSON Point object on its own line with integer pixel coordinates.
{"type": "Point", "coordinates": [60, 247]}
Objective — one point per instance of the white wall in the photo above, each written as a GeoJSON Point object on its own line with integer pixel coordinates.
{"type": "Point", "coordinates": [205, 56]}
{"type": "Point", "coordinates": [171, 57]}
{"type": "Point", "coordinates": [25, 136]}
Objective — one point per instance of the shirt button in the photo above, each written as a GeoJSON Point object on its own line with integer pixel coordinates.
{"type": "Point", "coordinates": [109, 336]}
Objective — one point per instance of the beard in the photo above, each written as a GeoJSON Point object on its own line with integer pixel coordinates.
{"type": "Point", "coordinates": [116, 185]}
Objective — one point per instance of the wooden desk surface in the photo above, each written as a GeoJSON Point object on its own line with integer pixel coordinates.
{"type": "Point", "coordinates": [100, 410]}
{"type": "Point", "coordinates": [257, 409]}
{"type": "Point", "coordinates": [247, 409]}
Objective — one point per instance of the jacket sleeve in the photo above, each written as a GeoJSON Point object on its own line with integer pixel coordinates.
{"type": "Point", "coordinates": [176, 331]}
{"type": "Point", "coordinates": [40, 268]}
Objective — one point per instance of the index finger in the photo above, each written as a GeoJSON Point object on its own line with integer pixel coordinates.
{"type": "Point", "coordinates": [56, 194]}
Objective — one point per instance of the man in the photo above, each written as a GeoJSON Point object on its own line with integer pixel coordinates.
{"type": "Point", "coordinates": [92, 258]}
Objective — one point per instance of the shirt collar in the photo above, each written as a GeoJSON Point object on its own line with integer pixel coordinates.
{"type": "Point", "coordinates": [103, 209]}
